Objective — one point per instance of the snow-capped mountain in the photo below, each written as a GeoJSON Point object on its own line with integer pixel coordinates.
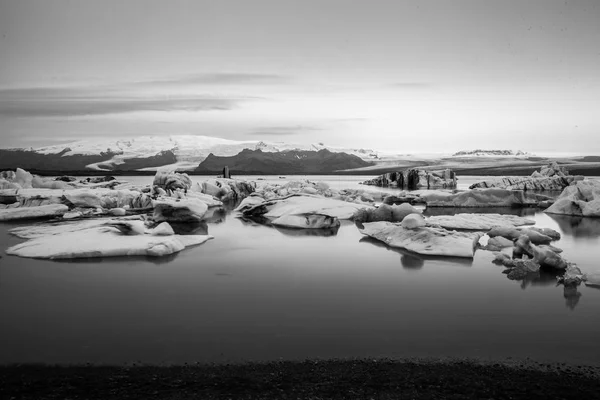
{"type": "Point", "coordinates": [150, 152]}
{"type": "Point", "coordinates": [491, 153]}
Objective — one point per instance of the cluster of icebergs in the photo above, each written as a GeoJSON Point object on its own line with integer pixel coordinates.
{"type": "Point", "coordinates": [91, 219]}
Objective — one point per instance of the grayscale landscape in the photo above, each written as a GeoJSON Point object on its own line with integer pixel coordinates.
{"type": "Point", "coordinates": [283, 199]}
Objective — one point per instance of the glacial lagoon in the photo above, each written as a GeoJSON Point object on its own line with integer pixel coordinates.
{"type": "Point", "coordinates": [261, 293]}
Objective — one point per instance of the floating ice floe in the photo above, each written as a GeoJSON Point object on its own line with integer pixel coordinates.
{"type": "Point", "coordinates": [581, 198]}
{"type": "Point", "coordinates": [45, 211]}
{"type": "Point", "coordinates": [58, 228]}
{"type": "Point", "coordinates": [103, 242]}
{"type": "Point", "coordinates": [478, 198]}
{"type": "Point", "coordinates": [385, 212]}
{"type": "Point", "coordinates": [477, 221]}
{"type": "Point", "coordinates": [424, 240]}
{"type": "Point", "coordinates": [304, 205]}
{"type": "Point", "coordinates": [310, 221]}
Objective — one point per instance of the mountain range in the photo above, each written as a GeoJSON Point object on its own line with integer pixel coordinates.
{"type": "Point", "coordinates": [283, 162]}
{"type": "Point", "coordinates": [183, 152]}
{"type": "Point", "coordinates": [208, 155]}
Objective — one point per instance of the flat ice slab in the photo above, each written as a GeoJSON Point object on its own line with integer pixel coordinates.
{"type": "Point", "coordinates": [424, 240]}
{"type": "Point", "coordinates": [477, 221]}
{"type": "Point", "coordinates": [46, 211]}
{"type": "Point", "coordinates": [306, 205]}
{"type": "Point", "coordinates": [103, 242]}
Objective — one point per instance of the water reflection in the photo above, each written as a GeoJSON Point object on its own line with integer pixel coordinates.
{"type": "Point", "coordinates": [215, 215]}
{"type": "Point", "coordinates": [578, 227]}
{"type": "Point", "coordinates": [120, 260]}
{"type": "Point", "coordinates": [540, 278]}
{"type": "Point", "coordinates": [572, 296]}
{"type": "Point", "coordinates": [297, 232]}
{"type": "Point", "coordinates": [190, 228]}
{"type": "Point", "coordinates": [256, 221]}
{"type": "Point", "coordinates": [410, 260]}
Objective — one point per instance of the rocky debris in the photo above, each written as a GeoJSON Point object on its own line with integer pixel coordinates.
{"type": "Point", "coordinates": [580, 199]}
{"type": "Point", "coordinates": [415, 179]}
{"type": "Point", "coordinates": [384, 212]}
{"type": "Point", "coordinates": [520, 268]}
{"type": "Point", "coordinates": [176, 210]}
{"type": "Point", "coordinates": [572, 276]}
{"type": "Point", "coordinates": [45, 211]}
{"type": "Point", "coordinates": [542, 255]}
{"type": "Point", "coordinates": [476, 221]}
{"type": "Point", "coordinates": [551, 177]}
{"type": "Point", "coordinates": [422, 239]}
{"type": "Point", "coordinates": [479, 198]}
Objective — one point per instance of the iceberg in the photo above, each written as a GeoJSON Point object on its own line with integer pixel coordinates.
{"type": "Point", "coordinates": [478, 198]}
{"type": "Point", "coordinates": [581, 199]}
{"type": "Point", "coordinates": [103, 242]}
{"type": "Point", "coordinates": [477, 221]}
{"type": "Point", "coordinates": [311, 221]}
{"type": "Point", "coordinates": [168, 209]}
{"type": "Point", "coordinates": [303, 205]}
{"type": "Point", "coordinates": [45, 211]}
{"type": "Point", "coordinates": [424, 240]}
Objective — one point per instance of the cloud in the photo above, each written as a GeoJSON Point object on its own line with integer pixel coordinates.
{"type": "Point", "coordinates": [81, 107]}
{"type": "Point", "coordinates": [128, 97]}
{"type": "Point", "coordinates": [283, 130]}
{"type": "Point", "coordinates": [410, 85]}
{"type": "Point", "coordinates": [222, 79]}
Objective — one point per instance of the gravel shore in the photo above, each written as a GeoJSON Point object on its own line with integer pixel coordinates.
{"type": "Point", "coordinates": [322, 379]}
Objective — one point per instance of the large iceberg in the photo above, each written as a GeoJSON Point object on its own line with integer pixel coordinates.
{"type": "Point", "coordinates": [424, 240]}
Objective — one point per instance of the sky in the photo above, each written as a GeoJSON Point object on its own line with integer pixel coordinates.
{"type": "Point", "coordinates": [409, 76]}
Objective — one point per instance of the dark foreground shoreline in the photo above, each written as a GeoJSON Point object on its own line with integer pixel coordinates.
{"type": "Point", "coordinates": [318, 379]}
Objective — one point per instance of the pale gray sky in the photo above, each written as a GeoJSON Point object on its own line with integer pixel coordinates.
{"type": "Point", "coordinates": [414, 76]}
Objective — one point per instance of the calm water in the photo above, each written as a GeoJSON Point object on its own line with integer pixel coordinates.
{"type": "Point", "coordinates": [260, 293]}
